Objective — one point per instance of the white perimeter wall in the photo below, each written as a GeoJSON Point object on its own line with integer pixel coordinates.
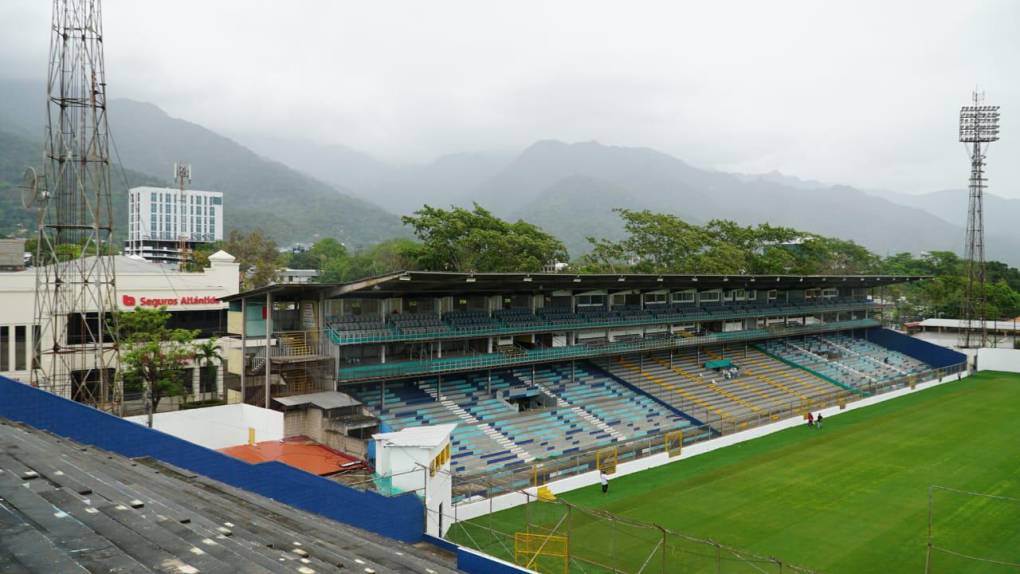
{"type": "Point", "coordinates": [218, 427]}
{"type": "Point", "coordinates": [473, 509]}
{"type": "Point", "coordinates": [999, 360]}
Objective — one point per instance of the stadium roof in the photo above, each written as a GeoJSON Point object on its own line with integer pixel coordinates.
{"type": "Point", "coordinates": [325, 400]}
{"type": "Point", "coordinates": [1011, 325]}
{"type": "Point", "coordinates": [438, 283]}
{"type": "Point", "coordinates": [429, 436]}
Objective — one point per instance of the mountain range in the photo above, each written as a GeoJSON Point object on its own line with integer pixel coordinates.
{"type": "Point", "coordinates": [298, 190]}
{"type": "Point", "coordinates": [259, 192]}
{"type": "Point", "coordinates": [570, 189]}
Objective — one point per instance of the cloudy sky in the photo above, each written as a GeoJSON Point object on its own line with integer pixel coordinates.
{"type": "Point", "coordinates": [858, 92]}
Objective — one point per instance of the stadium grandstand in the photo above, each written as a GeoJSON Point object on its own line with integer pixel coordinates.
{"type": "Point", "coordinates": [539, 368]}
{"type": "Point", "coordinates": [450, 396]}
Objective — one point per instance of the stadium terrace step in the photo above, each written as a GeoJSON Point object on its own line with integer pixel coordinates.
{"type": "Point", "coordinates": [561, 402]}
{"type": "Point", "coordinates": [835, 343]}
{"type": "Point", "coordinates": [712, 384]}
{"type": "Point", "coordinates": [489, 431]}
{"type": "Point", "coordinates": [854, 363]}
{"type": "Point", "coordinates": [836, 363]}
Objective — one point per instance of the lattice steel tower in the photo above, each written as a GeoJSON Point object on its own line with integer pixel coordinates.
{"type": "Point", "coordinates": [75, 351]}
{"type": "Point", "coordinates": [979, 126]}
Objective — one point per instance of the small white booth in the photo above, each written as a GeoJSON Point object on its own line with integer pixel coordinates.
{"type": "Point", "coordinates": [418, 459]}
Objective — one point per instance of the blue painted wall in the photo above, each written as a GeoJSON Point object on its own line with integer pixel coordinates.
{"type": "Point", "coordinates": [934, 355]}
{"type": "Point", "coordinates": [400, 517]}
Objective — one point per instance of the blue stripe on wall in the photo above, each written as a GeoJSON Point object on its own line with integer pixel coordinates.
{"type": "Point", "coordinates": [400, 517]}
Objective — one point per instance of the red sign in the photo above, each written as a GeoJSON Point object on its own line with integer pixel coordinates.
{"type": "Point", "coordinates": [129, 301]}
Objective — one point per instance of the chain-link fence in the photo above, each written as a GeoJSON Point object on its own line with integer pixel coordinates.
{"type": "Point", "coordinates": [558, 537]}
{"type": "Point", "coordinates": [972, 532]}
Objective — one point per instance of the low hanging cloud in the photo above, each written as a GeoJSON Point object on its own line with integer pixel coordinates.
{"type": "Point", "coordinates": [862, 93]}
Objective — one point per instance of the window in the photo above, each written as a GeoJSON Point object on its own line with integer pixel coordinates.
{"type": "Point", "coordinates": [830, 293]}
{"type": "Point", "coordinates": [752, 295]}
{"type": "Point", "coordinates": [739, 294]}
{"type": "Point", "coordinates": [811, 293]}
{"type": "Point", "coordinates": [207, 378]}
{"type": "Point", "coordinates": [5, 349]}
{"type": "Point", "coordinates": [727, 295]}
{"type": "Point", "coordinates": [773, 294]}
{"type": "Point", "coordinates": [591, 300]}
{"type": "Point", "coordinates": [683, 297]}
{"type": "Point", "coordinates": [36, 345]}
{"type": "Point", "coordinates": [217, 200]}
{"type": "Point", "coordinates": [655, 298]}
{"type": "Point", "coordinates": [20, 348]}
{"type": "Point", "coordinates": [710, 297]}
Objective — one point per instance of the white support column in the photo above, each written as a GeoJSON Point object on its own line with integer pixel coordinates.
{"type": "Point", "coordinates": [244, 344]}
{"type": "Point", "coordinates": [269, 333]}
{"type": "Point", "coordinates": [220, 391]}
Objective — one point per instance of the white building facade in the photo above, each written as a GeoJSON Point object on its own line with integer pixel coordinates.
{"type": "Point", "coordinates": [191, 298]}
{"type": "Point", "coordinates": [158, 217]}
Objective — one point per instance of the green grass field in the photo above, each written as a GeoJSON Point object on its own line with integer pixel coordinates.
{"type": "Point", "coordinates": [851, 497]}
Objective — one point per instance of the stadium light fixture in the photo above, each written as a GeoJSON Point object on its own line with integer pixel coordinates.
{"type": "Point", "coordinates": [577, 279]}
{"type": "Point", "coordinates": [470, 279]}
{"type": "Point", "coordinates": [527, 278]}
{"type": "Point", "coordinates": [404, 277]}
{"type": "Point", "coordinates": [659, 278]}
{"type": "Point", "coordinates": [622, 279]}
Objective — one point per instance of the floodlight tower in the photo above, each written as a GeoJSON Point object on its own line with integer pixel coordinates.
{"type": "Point", "coordinates": [182, 174]}
{"type": "Point", "coordinates": [979, 127]}
{"type": "Point", "coordinates": [75, 351]}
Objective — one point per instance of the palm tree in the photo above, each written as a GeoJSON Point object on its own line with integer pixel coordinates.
{"type": "Point", "coordinates": [207, 356]}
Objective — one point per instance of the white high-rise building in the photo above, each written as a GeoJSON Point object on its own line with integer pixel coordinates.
{"type": "Point", "coordinates": [157, 220]}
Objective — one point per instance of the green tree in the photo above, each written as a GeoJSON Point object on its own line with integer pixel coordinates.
{"type": "Point", "coordinates": [207, 356]}
{"type": "Point", "coordinates": [665, 243]}
{"type": "Point", "coordinates": [258, 256]}
{"type": "Point", "coordinates": [460, 239]}
{"type": "Point", "coordinates": [321, 255]}
{"type": "Point", "coordinates": [153, 355]}
{"type": "Point", "coordinates": [386, 257]}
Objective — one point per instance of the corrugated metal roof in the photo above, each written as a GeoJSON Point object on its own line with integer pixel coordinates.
{"type": "Point", "coordinates": [959, 323]}
{"type": "Point", "coordinates": [431, 436]}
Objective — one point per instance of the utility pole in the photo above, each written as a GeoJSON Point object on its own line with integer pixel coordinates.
{"type": "Point", "coordinates": [182, 174]}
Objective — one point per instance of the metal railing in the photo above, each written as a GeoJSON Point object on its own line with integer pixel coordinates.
{"type": "Point", "coordinates": [450, 332]}
{"type": "Point", "coordinates": [583, 351]}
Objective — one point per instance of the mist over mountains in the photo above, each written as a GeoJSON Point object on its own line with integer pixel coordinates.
{"type": "Point", "coordinates": [300, 191]}
{"type": "Point", "coordinates": [571, 190]}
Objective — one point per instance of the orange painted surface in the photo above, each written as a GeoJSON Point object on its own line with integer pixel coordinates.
{"type": "Point", "coordinates": [301, 453]}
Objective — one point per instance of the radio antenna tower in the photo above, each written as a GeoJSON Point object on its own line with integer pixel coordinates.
{"type": "Point", "coordinates": [979, 127]}
{"type": "Point", "coordinates": [75, 351]}
{"type": "Point", "coordinates": [182, 173]}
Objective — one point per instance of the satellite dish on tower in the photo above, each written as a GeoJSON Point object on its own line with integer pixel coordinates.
{"type": "Point", "coordinates": [31, 194]}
